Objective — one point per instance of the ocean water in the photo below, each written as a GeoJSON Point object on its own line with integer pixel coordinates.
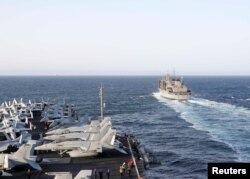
{"type": "Point", "coordinates": [213, 126]}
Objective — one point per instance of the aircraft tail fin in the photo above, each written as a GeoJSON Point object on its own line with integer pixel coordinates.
{"type": "Point", "coordinates": [30, 125]}
{"type": "Point", "coordinates": [23, 152]}
{"type": "Point", "coordinates": [6, 104]}
{"type": "Point", "coordinates": [11, 115]}
{"type": "Point", "coordinates": [26, 120]}
{"type": "Point", "coordinates": [109, 139]}
{"type": "Point", "coordinates": [14, 102]}
{"type": "Point", "coordinates": [5, 123]}
{"type": "Point", "coordinates": [21, 139]}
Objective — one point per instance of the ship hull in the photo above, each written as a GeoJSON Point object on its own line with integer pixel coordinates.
{"type": "Point", "coordinates": [173, 96]}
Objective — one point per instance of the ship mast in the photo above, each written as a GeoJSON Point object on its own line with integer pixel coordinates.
{"type": "Point", "coordinates": [102, 100]}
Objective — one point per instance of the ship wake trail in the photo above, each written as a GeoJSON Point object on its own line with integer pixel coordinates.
{"type": "Point", "coordinates": [225, 122]}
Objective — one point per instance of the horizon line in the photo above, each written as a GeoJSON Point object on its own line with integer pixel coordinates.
{"type": "Point", "coordinates": [57, 75]}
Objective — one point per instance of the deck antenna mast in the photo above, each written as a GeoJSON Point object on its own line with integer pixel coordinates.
{"type": "Point", "coordinates": [102, 100]}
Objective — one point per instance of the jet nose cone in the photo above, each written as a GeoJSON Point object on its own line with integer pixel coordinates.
{"type": "Point", "coordinates": [47, 138]}
{"type": "Point", "coordinates": [41, 147]}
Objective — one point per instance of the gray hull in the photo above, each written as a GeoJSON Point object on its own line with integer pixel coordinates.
{"type": "Point", "coordinates": [174, 96]}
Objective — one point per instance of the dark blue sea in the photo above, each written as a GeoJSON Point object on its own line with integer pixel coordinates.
{"type": "Point", "coordinates": [213, 126]}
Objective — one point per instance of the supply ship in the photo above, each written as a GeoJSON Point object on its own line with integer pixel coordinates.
{"type": "Point", "coordinates": [172, 87]}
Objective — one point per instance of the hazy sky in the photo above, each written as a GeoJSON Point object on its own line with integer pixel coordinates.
{"type": "Point", "coordinates": [129, 37]}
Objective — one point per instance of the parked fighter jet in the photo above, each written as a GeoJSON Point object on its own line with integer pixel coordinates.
{"type": "Point", "coordinates": [22, 157]}
{"type": "Point", "coordinates": [12, 137]}
{"type": "Point", "coordinates": [82, 148]}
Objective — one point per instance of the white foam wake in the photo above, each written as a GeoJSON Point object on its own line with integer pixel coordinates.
{"type": "Point", "coordinates": [225, 122]}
